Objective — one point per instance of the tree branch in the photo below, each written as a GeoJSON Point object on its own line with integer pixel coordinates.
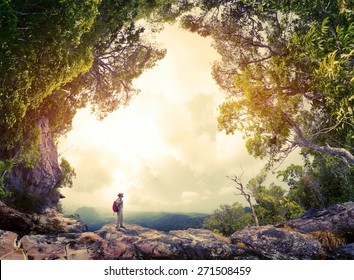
{"type": "Point", "coordinates": [241, 188]}
{"type": "Point", "coordinates": [303, 142]}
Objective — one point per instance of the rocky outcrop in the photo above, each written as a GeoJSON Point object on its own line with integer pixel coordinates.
{"type": "Point", "coordinates": [13, 220]}
{"type": "Point", "coordinates": [345, 252]}
{"type": "Point", "coordinates": [337, 219]}
{"type": "Point", "coordinates": [314, 235]}
{"type": "Point", "coordinates": [41, 180]}
{"type": "Point", "coordinates": [279, 243]}
{"type": "Point", "coordinates": [297, 239]}
{"type": "Point", "coordinates": [135, 242]}
{"type": "Point", "coordinates": [51, 221]}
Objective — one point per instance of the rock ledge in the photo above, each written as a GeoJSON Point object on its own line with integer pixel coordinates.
{"type": "Point", "coordinates": [325, 234]}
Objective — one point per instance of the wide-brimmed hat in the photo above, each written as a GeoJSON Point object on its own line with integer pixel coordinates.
{"type": "Point", "coordinates": [120, 194]}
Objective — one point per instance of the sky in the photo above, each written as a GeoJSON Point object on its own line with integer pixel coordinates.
{"type": "Point", "coordinates": [163, 150]}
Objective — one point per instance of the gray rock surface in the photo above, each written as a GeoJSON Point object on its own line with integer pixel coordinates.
{"type": "Point", "coordinates": [338, 219]}
{"type": "Point", "coordinates": [345, 252]}
{"type": "Point", "coordinates": [13, 220]}
{"type": "Point", "coordinates": [51, 221]}
{"type": "Point", "coordinates": [282, 243]}
{"type": "Point", "coordinates": [135, 242]}
{"type": "Point", "coordinates": [41, 180]}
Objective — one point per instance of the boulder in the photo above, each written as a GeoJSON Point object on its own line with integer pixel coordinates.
{"type": "Point", "coordinates": [14, 220]}
{"type": "Point", "coordinates": [345, 252]}
{"type": "Point", "coordinates": [337, 219]}
{"type": "Point", "coordinates": [137, 242]}
{"type": "Point", "coordinates": [51, 221]}
{"type": "Point", "coordinates": [281, 243]}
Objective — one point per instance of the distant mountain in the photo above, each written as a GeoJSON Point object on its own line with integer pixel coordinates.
{"type": "Point", "coordinates": [167, 221]}
{"type": "Point", "coordinates": [92, 218]}
{"type": "Point", "coordinates": [156, 220]}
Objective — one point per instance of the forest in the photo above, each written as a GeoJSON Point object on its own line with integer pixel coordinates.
{"type": "Point", "coordinates": [287, 75]}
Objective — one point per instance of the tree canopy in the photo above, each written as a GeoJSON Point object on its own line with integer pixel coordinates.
{"type": "Point", "coordinates": [287, 68]}
{"type": "Point", "coordinates": [288, 71]}
{"type": "Point", "coordinates": [59, 56]}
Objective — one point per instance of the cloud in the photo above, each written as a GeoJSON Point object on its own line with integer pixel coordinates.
{"type": "Point", "coordinates": [93, 171]}
{"type": "Point", "coordinates": [226, 190]}
{"type": "Point", "coordinates": [164, 150]}
{"type": "Point", "coordinates": [189, 197]}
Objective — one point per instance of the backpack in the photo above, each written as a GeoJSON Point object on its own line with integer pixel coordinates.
{"type": "Point", "coordinates": [115, 206]}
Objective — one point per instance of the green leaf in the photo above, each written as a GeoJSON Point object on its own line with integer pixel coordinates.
{"type": "Point", "coordinates": [325, 26]}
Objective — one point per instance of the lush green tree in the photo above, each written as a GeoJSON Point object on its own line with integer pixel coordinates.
{"type": "Point", "coordinates": [273, 204]}
{"type": "Point", "coordinates": [59, 56]}
{"type": "Point", "coordinates": [270, 205]}
{"type": "Point", "coordinates": [288, 69]}
{"type": "Point", "coordinates": [319, 183]}
{"type": "Point", "coordinates": [68, 174]}
{"type": "Point", "coordinates": [228, 218]}
{"type": "Point", "coordinates": [41, 50]}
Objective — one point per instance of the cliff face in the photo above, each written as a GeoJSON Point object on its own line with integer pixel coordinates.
{"type": "Point", "coordinates": [327, 234]}
{"type": "Point", "coordinates": [41, 180]}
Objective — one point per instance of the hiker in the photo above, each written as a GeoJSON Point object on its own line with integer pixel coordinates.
{"type": "Point", "coordinates": [119, 202]}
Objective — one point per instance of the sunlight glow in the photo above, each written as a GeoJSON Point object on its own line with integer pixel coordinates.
{"type": "Point", "coordinates": [163, 150]}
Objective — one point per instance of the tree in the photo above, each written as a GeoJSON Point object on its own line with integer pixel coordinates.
{"type": "Point", "coordinates": [68, 174]}
{"type": "Point", "coordinates": [269, 205]}
{"type": "Point", "coordinates": [288, 72]}
{"type": "Point", "coordinates": [319, 183]}
{"type": "Point", "coordinates": [58, 57]}
{"type": "Point", "coordinates": [228, 218]}
{"type": "Point", "coordinates": [41, 50]}
{"type": "Point", "coordinates": [239, 186]}
{"type": "Point", "coordinates": [273, 203]}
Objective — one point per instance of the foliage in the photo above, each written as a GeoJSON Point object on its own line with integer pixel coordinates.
{"type": "Point", "coordinates": [319, 183]}
{"type": "Point", "coordinates": [228, 218]}
{"type": "Point", "coordinates": [41, 49]}
{"type": "Point", "coordinates": [68, 174]}
{"type": "Point", "coordinates": [5, 167]}
{"type": "Point", "coordinates": [57, 57]}
{"type": "Point", "coordinates": [288, 72]}
{"type": "Point", "coordinates": [273, 204]}
{"type": "Point", "coordinates": [165, 221]}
